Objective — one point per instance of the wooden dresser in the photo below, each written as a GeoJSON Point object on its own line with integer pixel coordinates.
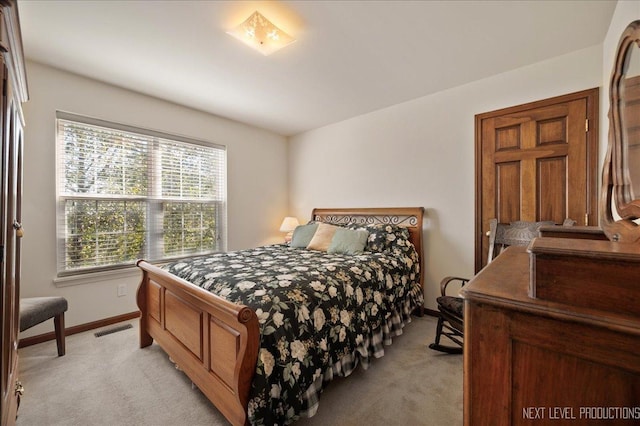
{"type": "Point", "coordinates": [570, 358]}
{"type": "Point", "coordinates": [14, 93]}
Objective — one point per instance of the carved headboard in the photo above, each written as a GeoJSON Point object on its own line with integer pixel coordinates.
{"type": "Point", "coordinates": [409, 217]}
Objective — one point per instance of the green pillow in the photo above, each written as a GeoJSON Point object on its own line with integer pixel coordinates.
{"type": "Point", "coordinates": [348, 241]}
{"type": "Point", "coordinates": [303, 234]}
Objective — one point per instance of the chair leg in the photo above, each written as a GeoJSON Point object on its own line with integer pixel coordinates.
{"type": "Point", "coordinates": [436, 346]}
{"type": "Point", "coordinates": [58, 322]}
{"type": "Point", "coordinates": [438, 332]}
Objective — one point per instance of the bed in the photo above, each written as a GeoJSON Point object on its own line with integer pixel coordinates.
{"type": "Point", "coordinates": [261, 331]}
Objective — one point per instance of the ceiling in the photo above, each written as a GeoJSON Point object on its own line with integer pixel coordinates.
{"type": "Point", "coordinates": [351, 57]}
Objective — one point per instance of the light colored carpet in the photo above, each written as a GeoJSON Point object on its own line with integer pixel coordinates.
{"type": "Point", "coordinates": [108, 380]}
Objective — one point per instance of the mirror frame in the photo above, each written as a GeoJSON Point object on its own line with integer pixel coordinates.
{"type": "Point", "coordinates": [616, 182]}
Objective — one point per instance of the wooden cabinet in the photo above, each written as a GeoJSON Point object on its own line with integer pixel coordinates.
{"type": "Point", "coordinates": [552, 361]}
{"type": "Point", "coordinates": [14, 93]}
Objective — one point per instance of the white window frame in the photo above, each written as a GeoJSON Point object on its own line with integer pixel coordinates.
{"type": "Point", "coordinates": [154, 200]}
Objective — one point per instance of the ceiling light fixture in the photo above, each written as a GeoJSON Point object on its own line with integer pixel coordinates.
{"type": "Point", "coordinates": [259, 33]}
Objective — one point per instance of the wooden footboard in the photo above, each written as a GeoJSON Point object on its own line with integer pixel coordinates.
{"type": "Point", "coordinates": [213, 341]}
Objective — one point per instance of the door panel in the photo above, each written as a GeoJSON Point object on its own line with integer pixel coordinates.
{"type": "Point", "coordinates": [536, 162]}
{"type": "Point", "coordinates": [552, 188]}
{"type": "Point", "coordinates": [508, 184]}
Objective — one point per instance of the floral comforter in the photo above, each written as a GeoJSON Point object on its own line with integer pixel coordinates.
{"type": "Point", "coordinates": [320, 315]}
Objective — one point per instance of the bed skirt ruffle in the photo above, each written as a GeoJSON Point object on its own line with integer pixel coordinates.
{"type": "Point", "coordinates": [371, 347]}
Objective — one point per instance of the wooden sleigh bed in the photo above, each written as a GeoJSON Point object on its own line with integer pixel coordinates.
{"type": "Point", "coordinates": [216, 343]}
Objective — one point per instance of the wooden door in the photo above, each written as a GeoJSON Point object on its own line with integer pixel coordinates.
{"type": "Point", "coordinates": [536, 162]}
{"type": "Point", "coordinates": [10, 263]}
{"type": "Point", "coordinates": [13, 90]}
{"type": "Point", "coordinates": [7, 274]}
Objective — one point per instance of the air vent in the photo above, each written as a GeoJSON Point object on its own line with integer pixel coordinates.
{"type": "Point", "coordinates": [112, 330]}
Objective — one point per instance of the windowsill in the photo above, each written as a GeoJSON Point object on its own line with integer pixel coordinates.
{"type": "Point", "coordinates": [95, 277]}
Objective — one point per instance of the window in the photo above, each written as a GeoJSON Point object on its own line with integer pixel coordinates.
{"type": "Point", "coordinates": [126, 194]}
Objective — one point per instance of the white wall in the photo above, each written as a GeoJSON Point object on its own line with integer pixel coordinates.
{"type": "Point", "coordinates": [256, 179]}
{"type": "Point", "coordinates": [421, 153]}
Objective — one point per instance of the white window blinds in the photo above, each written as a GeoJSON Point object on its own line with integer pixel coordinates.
{"type": "Point", "coordinates": [127, 193]}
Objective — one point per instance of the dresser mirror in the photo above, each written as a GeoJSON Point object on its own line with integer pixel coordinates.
{"type": "Point", "coordinates": [621, 173]}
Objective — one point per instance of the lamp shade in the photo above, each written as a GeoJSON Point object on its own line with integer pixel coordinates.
{"type": "Point", "coordinates": [289, 224]}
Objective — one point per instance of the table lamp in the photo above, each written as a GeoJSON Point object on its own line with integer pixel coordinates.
{"type": "Point", "coordinates": [288, 225]}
